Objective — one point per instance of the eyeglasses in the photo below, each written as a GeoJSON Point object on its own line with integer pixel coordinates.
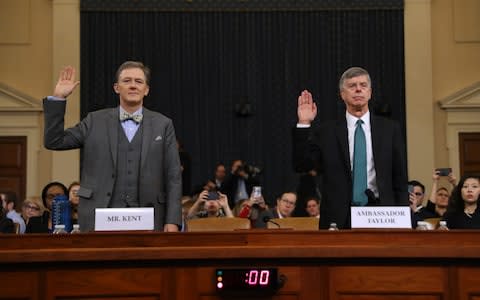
{"type": "Point", "coordinates": [288, 202]}
{"type": "Point", "coordinates": [32, 207]}
{"type": "Point", "coordinates": [443, 195]}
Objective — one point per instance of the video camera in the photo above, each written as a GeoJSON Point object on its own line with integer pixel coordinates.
{"type": "Point", "coordinates": [251, 170]}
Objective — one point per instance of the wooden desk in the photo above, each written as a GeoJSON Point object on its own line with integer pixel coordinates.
{"type": "Point", "coordinates": [343, 265]}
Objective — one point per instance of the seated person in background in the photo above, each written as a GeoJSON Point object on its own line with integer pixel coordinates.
{"type": "Point", "coordinates": [313, 207]}
{"type": "Point", "coordinates": [284, 209]}
{"type": "Point", "coordinates": [239, 183]}
{"type": "Point", "coordinates": [241, 207]}
{"type": "Point", "coordinates": [187, 203]}
{"type": "Point", "coordinates": [9, 200]}
{"type": "Point", "coordinates": [35, 217]}
{"type": "Point", "coordinates": [416, 195]}
{"type": "Point", "coordinates": [6, 224]}
{"type": "Point", "coordinates": [438, 202]}
{"type": "Point", "coordinates": [463, 212]}
{"type": "Point", "coordinates": [250, 208]}
{"type": "Point", "coordinates": [74, 200]}
{"type": "Point", "coordinates": [49, 192]}
{"type": "Point", "coordinates": [219, 175]}
{"type": "Point", "coordinates": [210, 204]}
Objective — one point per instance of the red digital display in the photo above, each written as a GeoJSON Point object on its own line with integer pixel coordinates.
{"type": "Point", "coordinates": [263, 280]}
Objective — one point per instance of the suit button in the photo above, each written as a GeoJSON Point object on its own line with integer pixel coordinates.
{"type": "Point", "coordinates": [113, 175]}
{"type": "Point", "coordinates": [109, 194]}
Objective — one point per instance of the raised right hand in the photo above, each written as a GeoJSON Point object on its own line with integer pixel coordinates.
{"type": "Point", "coordinates": [66, 83]}
{"type": "Point", "coordinates": [307, 109]}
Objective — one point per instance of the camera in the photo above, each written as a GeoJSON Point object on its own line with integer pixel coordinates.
{"type": "Point", "coordinates": [443, 171]}
{"type": "Point", "coordinates": [212, 196]}
{"type": "Point", "coordinates": [251, 170]}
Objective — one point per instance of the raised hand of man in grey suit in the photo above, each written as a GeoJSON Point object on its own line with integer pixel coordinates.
{"type": "Point", "coordinates": [66, 83]}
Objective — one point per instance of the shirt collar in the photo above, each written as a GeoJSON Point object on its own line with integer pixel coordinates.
{"type": "Point", "coordinates": [352, 120]}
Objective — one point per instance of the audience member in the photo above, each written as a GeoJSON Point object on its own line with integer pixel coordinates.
{"type": "Point", "coordinates": [240, 207]}
{"type": "Point", "coordinates": [438, 202]}
{"type": "Point", "coordinates": [74, 200]}
{"type": "Point", "coordinates": [284, 209]}
{"type": "Point", "coordinates": [219, 176]}
{"type": "Point", "coordinates": [210, 205]}
{"type": "Point", "coordinates": [52, 190]}
{"type": "Point", "coordinates": [416, 195]}
{"type": "Point", "coordinates": [34, 213]}
{"type": "Point", "coordinates": [9, 200]}
{"type": "Point", "coordinates": [6, 224]}
{"type": "Point", "coordinates": [251, 208]}
{"type": "Point", "coordinates": [313, 207]}
{"type": "Point", "coordinates": [239, 183]}
{"type": "Point", "coordinates": [187, 203]}
{"type": "Point", "coordinates": [49, 192]}
{"type": "Point", "coordinates": [463, 212]}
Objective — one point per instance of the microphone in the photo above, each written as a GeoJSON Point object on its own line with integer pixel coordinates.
{"type": "Point", "coordinates": [267, 219]}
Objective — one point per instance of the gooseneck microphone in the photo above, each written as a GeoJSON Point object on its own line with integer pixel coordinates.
{"type": "Point", "coordinates": [268, 219]}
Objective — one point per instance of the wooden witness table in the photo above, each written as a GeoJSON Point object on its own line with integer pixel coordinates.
{"type": "Point", "coordinates": [346, 265]}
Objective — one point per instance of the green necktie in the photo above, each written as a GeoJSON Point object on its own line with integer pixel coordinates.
{"type": "Point", "coordinates": [359, 167]}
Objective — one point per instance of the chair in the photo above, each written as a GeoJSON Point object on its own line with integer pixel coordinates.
{"type": "Point", "coordinates": [297, 223]}
{"type": "Point", "coordinates": [16, 227]}
{"type": "Point", "coordinates": [432, 223]}
{"type": "Point", "coordinates": [217, 224]}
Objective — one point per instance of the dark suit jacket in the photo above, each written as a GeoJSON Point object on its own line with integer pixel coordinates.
{"type": "Point", "coordinates": [269, 214]}
{"type": "Point", "coordinates": [6, 225]}
{"type": "Point", "coordinates": [326, 147]}
{"type": "Point", "coordinates": [159, 182]}
{"type": "Point", "coordinates": [230, 185]}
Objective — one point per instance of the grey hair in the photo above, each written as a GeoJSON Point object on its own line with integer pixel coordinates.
{"type": "Point", "coordinates": [353, 72]}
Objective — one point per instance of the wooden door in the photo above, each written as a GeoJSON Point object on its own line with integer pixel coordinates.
{"type": "Point", "coordinates": [13, 165]}
{"type": "Point", "coordinates": [469, 152]}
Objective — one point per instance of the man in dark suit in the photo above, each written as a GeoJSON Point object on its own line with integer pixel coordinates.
{"type": "Point", "coordinates": [284, 209]}
{"type": "Point", "coordinates": [130, 156]}
{"type": "Point", "coordinates": [381, 174]}
{"type": "Point", "coordinates": [239, 183]}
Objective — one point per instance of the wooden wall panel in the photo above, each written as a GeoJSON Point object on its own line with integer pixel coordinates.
{"type": "Point", "coordinates": [109, 283]}
{"type": "Point", "coordinates": [468, 283]}
{"type": "Point", "coordinates": [19, 285]}
{"type": "Point", "coordinates": [387, 282]}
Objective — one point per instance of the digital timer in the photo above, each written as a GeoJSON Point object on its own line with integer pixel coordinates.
{"type": "Point", "coordinates": [248, 280]}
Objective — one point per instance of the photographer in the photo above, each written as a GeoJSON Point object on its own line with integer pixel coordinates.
{"type": "Point", "coordinates": [251, 208]}
{"type": "Point", "coordinates": [239, 183]}
{"type": "Point", "coordinates": [210, 204]}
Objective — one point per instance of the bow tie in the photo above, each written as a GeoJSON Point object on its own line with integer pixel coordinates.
{"type": "Point", "coordinates": [126, 116]}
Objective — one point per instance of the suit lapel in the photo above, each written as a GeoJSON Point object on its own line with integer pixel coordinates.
{"type": "Point", "coordinates": [342, 137]}
{"type": "Point", "coordinates": [375, 130]}
{"type": "Point", "coordinates": [147, 135]}
{"type": "Point", "coordinates": [112, 129]}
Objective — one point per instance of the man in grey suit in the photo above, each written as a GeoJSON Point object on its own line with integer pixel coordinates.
{"type": "Point", "coordinates": [130, 157]}
{"type": "Point", "coordinates": [374, 176]}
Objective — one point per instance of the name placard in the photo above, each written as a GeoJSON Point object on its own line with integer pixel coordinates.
{"type": "Point", "coordinates": [381, 217]}
{"type": "Point", "coordinates": [131, 218]}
